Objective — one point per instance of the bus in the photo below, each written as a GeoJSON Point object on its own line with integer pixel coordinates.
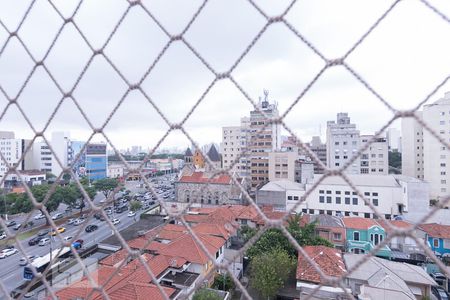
{"type": "Point", "coordinates": [41, 263]}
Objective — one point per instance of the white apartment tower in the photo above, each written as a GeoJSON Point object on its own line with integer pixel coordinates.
{"type": "Point", "coordinates": [394, 139]}
{"type": "Point", "coordinates": [12, 150]}
{"type": "Point", "coordinates": [44, 158]}
{"type": "Point", "coordinates": [412, 147]}
{"type": "Point", "coordinates": [374, 160]}
{"type": "Point", "coordinates": [343, 141]}
{"type": "Point", "coordinates": [234, 143]}
{"type": "Point", "coordinates": [264, 138]}
{"type": "Point", "coordinates": [422, 154]}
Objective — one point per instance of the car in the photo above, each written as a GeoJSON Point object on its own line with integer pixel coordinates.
{"type": "Point", "coordinates": [8, 252]}
{"type": "Point", "coordinates": [34, 241]}
{"type": "Point", "coordinates": [17, 226]}
{"type": "Point", "coordinates": [439, 293]}
{"type": "Point", "coordinates": [44, 241]}
{"type": "Point", "coordinates": [23, 261]}
{"type": "Point", "coordinates": [10, 223]}
{"type": "Point", "coordinates": [115, 221]}
{"type": "Point", "coordinates": [78, 222]}
{"type": "Point", "coordinates": [59, 229]}
{"type": "Point", "coordinates": [2, 236]}
{"type": "Point", "coordinates": [70, 221]}
{"type": "Point", "coordinates": [57, 216]}
{"type": "Point", "coordinates": [39, 216]}
{"type": "Point", "coordinates": [91, 228]}
{"type": "Point", "coordinates": [67, 238]}
{"type": "Point", "coordinates": [43, 232]}
{"type": "Point", "coordinates": [79, 241]}
{"type": "Point", "coordinates": [131, 214]}
{"type": "Point", "coordinates": [439, 278]}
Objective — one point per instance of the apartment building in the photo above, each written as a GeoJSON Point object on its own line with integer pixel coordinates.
{"type": "Point", "coordinates": [234, 146]}
{"type": "Point", "coordinates": [412, 148]}
{"type": "Point", "coordinates": [375, 159]}
{"type": "Point", "coordinates": [391, 195]}
{"type": "Point", "coordinates": [265, 137]}
{"type": "Point", "coordinates": [394, 139]}
{"type": "Point", "coordinates": [343, 141]}
{"type": "Point", "coordinates": [12, 150]}
{"type": "Point", "coordinates": [423, 155]}
{"type": "Point", "coordinates": [320, 150]}
{"type": "Point", "coordinates": [282, 165]}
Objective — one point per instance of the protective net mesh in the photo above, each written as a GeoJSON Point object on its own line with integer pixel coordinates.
{"type": "Point", "coordinates": [68, 95]}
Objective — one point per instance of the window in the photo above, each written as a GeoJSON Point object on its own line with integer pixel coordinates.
{"type": "Point", "coordinates": [374, 194]}
{"type": "Point", "coordinates": [366, 194]}
{"type": "Point", "coordinates": [320, 191]}
{"type": "Point", "coordinates": [355, 201]}
{"type": "Point", "coordinates": [328, 199]}
{"type": "Point", "coordinates": [338, 192]}
{"type": "Point", "coordinates": [436, 243]}
{"type": "Point", "coordinates": [347, 214]}
{"type": "Point", "coordinates": [337, 236]}
{"type": "Point", "coordinates": [321, 199]}
{"type": "Point", "coordinates": [289, 197]}
{"type": "Point", "coordinates": [356, 235]}
{"type": "Point", "coordinates": [321, 212]}
{"type": "Point", "coordinates": [375, 202]}
{"type": "Point", "coordinates": [338, 200]}
{"type": "Point", "coordinates": [336, 164]}
{"type": "Point", "coordinates": [328, 192]}
{"type": "Point", "coordinates": [442, 122]}
{"type": "Point", "coordinates": [336, 157]}
{"type": "Point", "coordinates": [347, 200]}
{"type": "Point", "coordinates": [347, 193]}
{"type": "Point", "coordinates": [367, 215]}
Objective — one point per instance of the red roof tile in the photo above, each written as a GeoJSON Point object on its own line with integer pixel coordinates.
{"type": "Point", "coordinates": [199, 177]}
{"type": "Point", "coordinates": [400, 224]}
{"type": "Point", "coordinates": [329, 260]}
{"type": "Point", "coordinates": [359, 223]}
{"type": "Point", "coordinates": [436, 230]}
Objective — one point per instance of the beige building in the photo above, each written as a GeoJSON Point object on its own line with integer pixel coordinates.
{"type": "Point", "coordinates": [282, 165]}
{"type": "Point", "coordinates": [264, 138]}
{"type": "Point", "coordinates": [234, 147]}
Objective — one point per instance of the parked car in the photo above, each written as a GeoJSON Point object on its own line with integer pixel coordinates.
{"type": "Point", "coordinates": [39, 216]}
{"type": "Point", "coordinates": [131, 214]}
{"type": "Point", "coordinates": [91, 228]}
{"type": "Point", "coordinates": [34, 241]}
{"type": "Point", "coordinates": [439, 293]}
{"type": "Point", "coordinates": [10, 223]}
{"type": "Point", "coordinates": [44, 241]}
{"type": "Point", "coordinates": [23, 261]}
{"type": "Point", "coordinates": [70, 221]}
{"type": "Point", "coordinates": [2, 236]}
{"type": "Point", "coordinates": [57, 216]}
{"type": "Point", "coordinates": [8, 252]}
{"type": "Point", "coordinates": [115, 221]}
{"type": "Point", "coordinates": [17, 226]}
{"type": "Point", "coordinates": [439, 278]}
{"type": "Point", "coordinates": [43, 232]}
{"type": "Point", "coordinates": [78, 222]}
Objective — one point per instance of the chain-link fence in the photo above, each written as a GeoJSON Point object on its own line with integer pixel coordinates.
{"type": "Point", "coordinates": [102, 289]}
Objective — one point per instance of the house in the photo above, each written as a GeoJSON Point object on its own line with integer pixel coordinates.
{"type": "Point", "coordinates": [328, 227]}
{"type": "Point", "coordinates": [379, 278]}
{"type": "Point", "coordinates": [403, 248]}
{"type": "Point", "coordinates": [437, 237]}
{"type": "Point", "coordinates": [330, 261]}
{"type": "Point", "coordinates": [363, 235]}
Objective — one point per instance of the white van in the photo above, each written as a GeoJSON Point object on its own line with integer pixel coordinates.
{"type": "Point", "coordinates": [44, 241]}
{"type": "Point", "coordinates": [57, 216]}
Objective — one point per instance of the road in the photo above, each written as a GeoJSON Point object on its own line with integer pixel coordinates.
{"type": "Point", "coordinates": [11, 274]}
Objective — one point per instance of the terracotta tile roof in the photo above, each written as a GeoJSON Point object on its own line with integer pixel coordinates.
{"type": "Point", "coordinates": [139, 291]}
{"type": "Point", "coordinates": [400, 224]}
{"type": "Point", "coordinates": [436, 230]}
{"type": "Point", "coordinates": [115, 258]}
{"type": "Point", "coordinates": [270, 214]}
{"type": "Point", "coordinates": [186, 247]}
{"type": "Point", "coordinates": [359, 223]}
{"type": "Point", "coordinates": [329, 260]}
{"type": "Point", "coordinates": [215, 229]}
{"type": "Point", "coordinates": [199, 177]}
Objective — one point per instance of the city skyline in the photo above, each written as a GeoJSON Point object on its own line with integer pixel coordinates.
{"type": "Point", "coordinates": [279, 62]}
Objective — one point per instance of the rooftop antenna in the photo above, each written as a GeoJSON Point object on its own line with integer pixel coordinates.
{"type": "Point", "coordinates": [265, 102]}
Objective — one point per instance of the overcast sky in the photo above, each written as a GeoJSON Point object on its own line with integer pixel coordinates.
{"type": "Point", "coordinates": [403, 59]}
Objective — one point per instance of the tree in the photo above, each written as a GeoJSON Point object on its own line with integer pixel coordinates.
{"type": "Point", "coordinates": [223, 282]}
{"type": "Point", "coordinates": [205, 294]}
{"type": "Point", "coordinates": [395, 161]}
{"type": "Point", "coordinates": [135, 205]}
{"type": "Point", "coordinates": [106, 185]}
{"type": "Point", "coordinates": [246, 232]}
{"type": "Point", "coordinates": [275, 239]}
{"type": "Point", "coordinates": [270, 270]}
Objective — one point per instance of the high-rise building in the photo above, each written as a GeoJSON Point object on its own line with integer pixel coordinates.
{"type": "Point", "coordinates": [423, 155]}
{"type": "Point", "coordinates": [265, 137]}
{"type": "Point", "coordinates": [374, 160]}
{"type": "Point", "coordinates": [12, 150]}
{"type": "Point", "coordinates": [343, 141]}
{"type": "Point", "coordinates": [96, 161]}
{"type": "Point", "coordinates": [320, 150]}
{"type": "Point", "coordinates": [394, 139]}
{"type": "Point", "coordinates": [412, 147]}
{"type": "Point", "coordinates": [234, 146]}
